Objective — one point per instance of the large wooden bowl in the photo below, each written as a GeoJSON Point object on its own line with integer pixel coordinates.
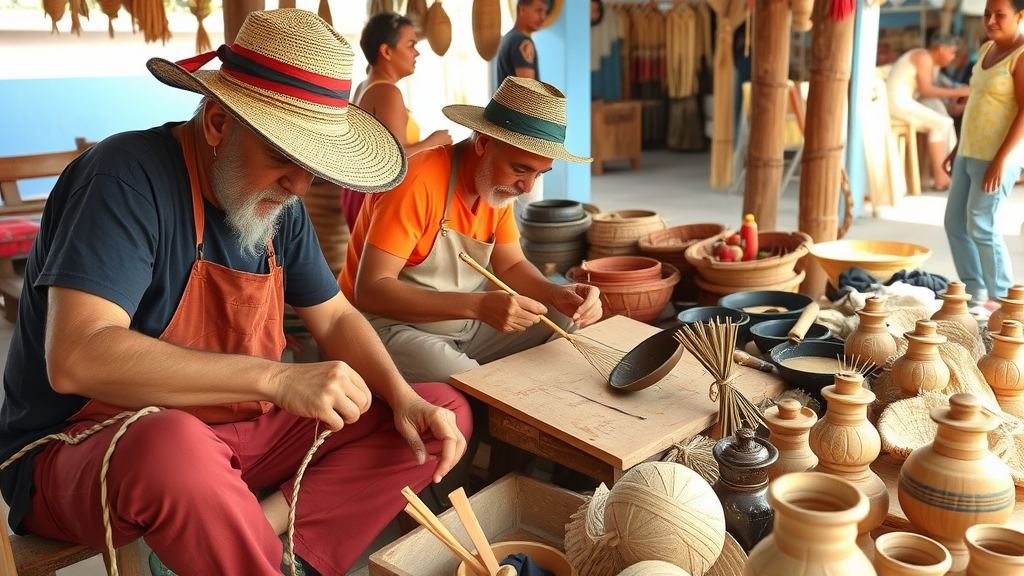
{"type": "Point", "coordinates": [879, 258]}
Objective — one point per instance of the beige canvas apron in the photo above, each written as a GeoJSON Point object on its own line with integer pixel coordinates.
{"type": "Point", "coordinates": [443, 271]}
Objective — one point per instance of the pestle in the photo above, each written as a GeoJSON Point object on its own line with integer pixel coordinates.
{"type": "Point", "coordinates": [807, 317]}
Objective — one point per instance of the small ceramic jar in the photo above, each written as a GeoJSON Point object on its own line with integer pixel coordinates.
{"type": "Point", "coordinates": [871, 340]}
{"type": "Point", "coordinates": [909, 554]}
{"type": "Point", "coordinates": [789, 424]}
{"type": "Point", "coordinates": [994, 550]}
{"type": "Point", "coordinates": [1011, 308]}
{"type": "Point", "coordinates": [921, 369]}
{"type": "Point", "coordinates": [954, 307]}
{"type": "Point", "coordinates": [742, 485]}
{"type": "Point", "coordinates": [1003, 367]}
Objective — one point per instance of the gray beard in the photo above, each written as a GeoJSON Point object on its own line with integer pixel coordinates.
{"type": "Point", "coordinates": [251, 229]}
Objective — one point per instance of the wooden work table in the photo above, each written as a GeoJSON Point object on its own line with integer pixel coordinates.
{"type": "Point", "coordinates": [550, 401]}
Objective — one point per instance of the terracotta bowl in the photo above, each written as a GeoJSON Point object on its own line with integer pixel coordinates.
{"type": "Point", "coordinates": [642, 302]}
{"type": "Point", "coordinates": [621, 270]}
{"type": "Point", "coordinates": [547, 557]}
{"type": "Point", "coordinates": [879, 258]}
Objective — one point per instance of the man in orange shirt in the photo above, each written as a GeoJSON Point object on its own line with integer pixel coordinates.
{"type": "Point", "coordinates": [403, 271]}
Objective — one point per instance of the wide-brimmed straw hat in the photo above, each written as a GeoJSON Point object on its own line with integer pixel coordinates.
{"type": "Point", "coordinates": [525, 113]}
{"type": "Point", "coordinates": [288, 76]}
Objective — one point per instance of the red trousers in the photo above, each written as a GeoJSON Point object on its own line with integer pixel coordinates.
{"type": "Point", "coordinates": [188, 487]}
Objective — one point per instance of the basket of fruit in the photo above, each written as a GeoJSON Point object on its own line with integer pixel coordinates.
{"type": "Point", "coordinates": [728, 263]}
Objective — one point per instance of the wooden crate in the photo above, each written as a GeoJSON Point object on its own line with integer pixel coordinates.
{"type": "Point", "coordinates": [513, 508]}
{"type": "Point", "coordinates": [615, 133]}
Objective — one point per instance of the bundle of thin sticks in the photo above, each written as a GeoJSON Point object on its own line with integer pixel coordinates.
{"type": "Point", "coordinates": [712, 344]}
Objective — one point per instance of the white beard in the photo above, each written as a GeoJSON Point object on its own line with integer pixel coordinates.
{"type": "Point", "coordinates": [496, 197]}
{"type": "Point", "coordinates": [252, 229]}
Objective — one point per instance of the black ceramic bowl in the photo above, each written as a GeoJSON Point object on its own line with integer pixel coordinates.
{"type": "Point", "coordinates": [811, 382]}
{"type": "Point", "coordinates": [554, 211]}
{"type": "Point", "coordinates": [771, 333]}
{"type": "Point", "coordinates": [706, 313]}
{"type": "Point", "coordinates": [793, 304]}
{"type": "Point", "coordinates": [647, 363]}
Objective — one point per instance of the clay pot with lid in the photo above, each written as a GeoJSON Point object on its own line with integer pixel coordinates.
{"type": "Point", "coordinates": [921, 369]}
{"type": "Point", "coordinates": [994, 551]}
{"type": "Point", "coordinates": [846, 444]}
{"type": "Point", "coordinates": [1003, 367]}
{"type": "Point", "coordinates": [789, 424]}
{"type": "Point", "coordinates": [742, 486]}
{"type": "Point", "coordinates": [909, 554]}
{"type": "Point", "coordinates": [955, 482]}
{"type": "Point", "coordinates": [1012, 308]}
{"type": "Point", "coordinates": [871, 340]}
{"type": "Point", "coordinates": [815, 532]}
{"type": "Point", "coordinates": [954, 307]}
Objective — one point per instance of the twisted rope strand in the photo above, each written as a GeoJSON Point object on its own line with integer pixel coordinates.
{"type": "Point", "coordinates": [295, 496]}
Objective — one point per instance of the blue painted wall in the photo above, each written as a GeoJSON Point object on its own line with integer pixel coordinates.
{"type": "Point", "coordinates": [564, 49]}
{"type": "Point", "coordinates": [46, 115]}
{"type": "Point", "coordinates": [865, 54]}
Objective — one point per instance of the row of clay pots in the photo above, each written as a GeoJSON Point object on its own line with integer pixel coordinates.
{"type": "Point", "coordinates": [632, 286]}
{"type": "Point", "coordinates": [954, 490]}
{"type": "Point", "coordinates": [554, 234]}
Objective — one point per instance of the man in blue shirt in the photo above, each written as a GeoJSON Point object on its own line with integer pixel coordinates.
{"type": "Point", "coordinates": [517, 55]}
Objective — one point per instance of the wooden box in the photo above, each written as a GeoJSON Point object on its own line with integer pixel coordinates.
{"type": "Point", "coordinates": [615, 133]}
{"type": "Point", "coordinates": [513, 508]}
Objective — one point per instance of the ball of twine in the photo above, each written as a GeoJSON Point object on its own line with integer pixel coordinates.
{"type": "Point", "coordinates": [665, 511]}
{"type": "Point", "coordinates": [654, 568]}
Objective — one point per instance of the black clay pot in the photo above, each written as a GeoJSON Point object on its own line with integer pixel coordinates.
{"type": "Point", "coordinates": [791, 304]}
{"type": "Point", "coordinates": [555, 231]}
{"type": "Point", "coordinates": [742, 485]}
{"type": "Point", "coordinates": [647, 363]}
{"type": "Point", "coordinates": [564, 255]}
{"type": "Point", "coordinates": [706, 313]}
{"type": "Point", "coordinates": [811, 382]}
{"type": "Point", "coordinates": [553, 211]}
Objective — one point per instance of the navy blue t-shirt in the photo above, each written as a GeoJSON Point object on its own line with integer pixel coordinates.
{"type": "Point", "coordinates": [119, 224]}
{"type": "Point", "coordinates": [516, 50]}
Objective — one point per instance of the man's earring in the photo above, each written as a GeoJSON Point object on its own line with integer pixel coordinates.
{"type": "Point", "coordinates": [214, 152]}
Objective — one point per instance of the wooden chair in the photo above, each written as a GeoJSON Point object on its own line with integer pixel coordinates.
{"type": "Point", "coordinates": [37, 556]}
{"type": "Point", "coordinates": [906, 142]}
{"type": "Point", "coordinates": [13, 169]}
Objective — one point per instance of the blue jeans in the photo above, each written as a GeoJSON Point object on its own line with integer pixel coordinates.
{"type": "Point", "coordinates": [979, 253]}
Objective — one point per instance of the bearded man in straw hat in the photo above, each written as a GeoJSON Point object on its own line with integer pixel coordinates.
{"type": "Point", "coordinates": [163, 263]}
{"type": "Point", "coordinates": [403, 270]}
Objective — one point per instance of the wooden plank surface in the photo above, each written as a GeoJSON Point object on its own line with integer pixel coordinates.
{"type": "Point", "coordinates": [888, 469]}
{"type": "Point", "coordinates": [542, 386]}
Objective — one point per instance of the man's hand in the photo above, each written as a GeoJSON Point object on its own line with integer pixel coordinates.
{"type": "Point", "coordinates": [509, 313]}
{"type": "Point", "coordinates": [331, 392]}
{"type": "Point", "coordinates": [415, 416]}
{"type": "Point", "coordinates": [580, 302]}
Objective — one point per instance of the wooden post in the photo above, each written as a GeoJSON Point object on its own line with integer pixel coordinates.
{"type": "Point", "coordinates": [821, 171]}
{"type": "Point", "coordinates": [768, 91]}
{"type": "Point", "coordinates": [235, 12]}
{"type": "Point", "coordinates": [729, 13]}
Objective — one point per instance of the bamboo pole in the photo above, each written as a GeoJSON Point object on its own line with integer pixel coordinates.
{"type": "Point", "coordinates": [235, 12]}
{"type": "Point", "coordinates": [821, 170]}
{"type": "Point", "coordinates": [768, 92]}
{"type": "Point", "coordinates": [729, 14]}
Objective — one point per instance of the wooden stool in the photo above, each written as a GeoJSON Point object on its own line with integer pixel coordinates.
{"type": "Point", "coordinates": [906, 143]}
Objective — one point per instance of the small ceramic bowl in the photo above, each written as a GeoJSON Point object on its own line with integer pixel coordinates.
{"type": "Point", "coordinates": [647, 363]}
{"type": "Point", "coordinates": [547, 557]}
{"type": "Point", "coordinates": [706, 313]}
{"type": "Point", "coordinates": [771, 333]}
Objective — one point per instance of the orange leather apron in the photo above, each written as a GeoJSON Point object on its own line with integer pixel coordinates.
{"type": "Point", "coordinates": [222, 310]}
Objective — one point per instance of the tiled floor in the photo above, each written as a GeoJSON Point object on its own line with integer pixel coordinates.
{"type": "Point", "coordinates": [676, 186]}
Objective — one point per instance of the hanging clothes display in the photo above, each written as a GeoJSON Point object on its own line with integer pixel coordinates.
{"type": "Point", "coordinates": [606, 59]}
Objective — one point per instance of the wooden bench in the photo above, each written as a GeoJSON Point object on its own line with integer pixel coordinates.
{"type": "Point", "coordinates": [37, 556]}
{"type": "Point", "coordinates": [13, 169]}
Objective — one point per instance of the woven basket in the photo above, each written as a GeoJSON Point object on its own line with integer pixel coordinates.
{"type": "Point", "coordinates": [416, 10]}
{"type": "Point", "coordinates": [643, 302]}
{"type": "Point", "coordinates": [486, 27]}
{"type": "Point", "coordinates": [439, 29]}
{"type": "Point", "coordinates": [670, 246]}
{"type": "Point", "coordinates": [711, 293]}
{"type": "Point", "coordinates": [623, 228]}
{"type": "Point", "coordinates": [323, 204]}
{"type": "Point", "coordinates": [753, 274]}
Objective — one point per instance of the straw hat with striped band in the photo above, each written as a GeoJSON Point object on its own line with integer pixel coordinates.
{"type": "Point", "coordinates": [287, 76]}
{"type": "Point", "coordinates": [525, 113]}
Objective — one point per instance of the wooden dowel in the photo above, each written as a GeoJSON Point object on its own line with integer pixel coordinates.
{"type": "Point", "coordinates": [460, 501]}
{"type": "Point", "coordinates": [741, 357]}
{"type": "Point", "coordinates": [807, 317]}
{"type": "Point", "coordinates": [487, 273]}
{"type": "Point", "coordinates": [422, 514]}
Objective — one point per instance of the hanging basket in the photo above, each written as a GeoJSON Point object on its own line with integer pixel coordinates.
{"type": "Point", "coordinates": [487, 27]}
{"type": "Point", "coordinates": [802, 10]}
{"type": "Point", "coordinates": [416, 10]}
{"type": "Point", "coordinates": [439, 29]}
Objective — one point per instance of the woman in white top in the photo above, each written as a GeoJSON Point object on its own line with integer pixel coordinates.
{"type": "Point", "coordinates": [916, 99]}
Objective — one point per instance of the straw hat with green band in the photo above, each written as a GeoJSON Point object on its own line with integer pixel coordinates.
{"type": "Point", "coordinates": [287, 76]}
{"type": "Point", "coordinates": [525, 113]}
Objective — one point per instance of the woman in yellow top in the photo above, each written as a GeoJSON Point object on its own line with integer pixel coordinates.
{"type": "Point", "coordinates": [389, 43]}
{"type": "Point", "coordinates": [989, 158]}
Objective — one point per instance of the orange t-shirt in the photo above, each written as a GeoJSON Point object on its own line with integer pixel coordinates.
{"type": "Point", "coordinates": [405, 221]}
